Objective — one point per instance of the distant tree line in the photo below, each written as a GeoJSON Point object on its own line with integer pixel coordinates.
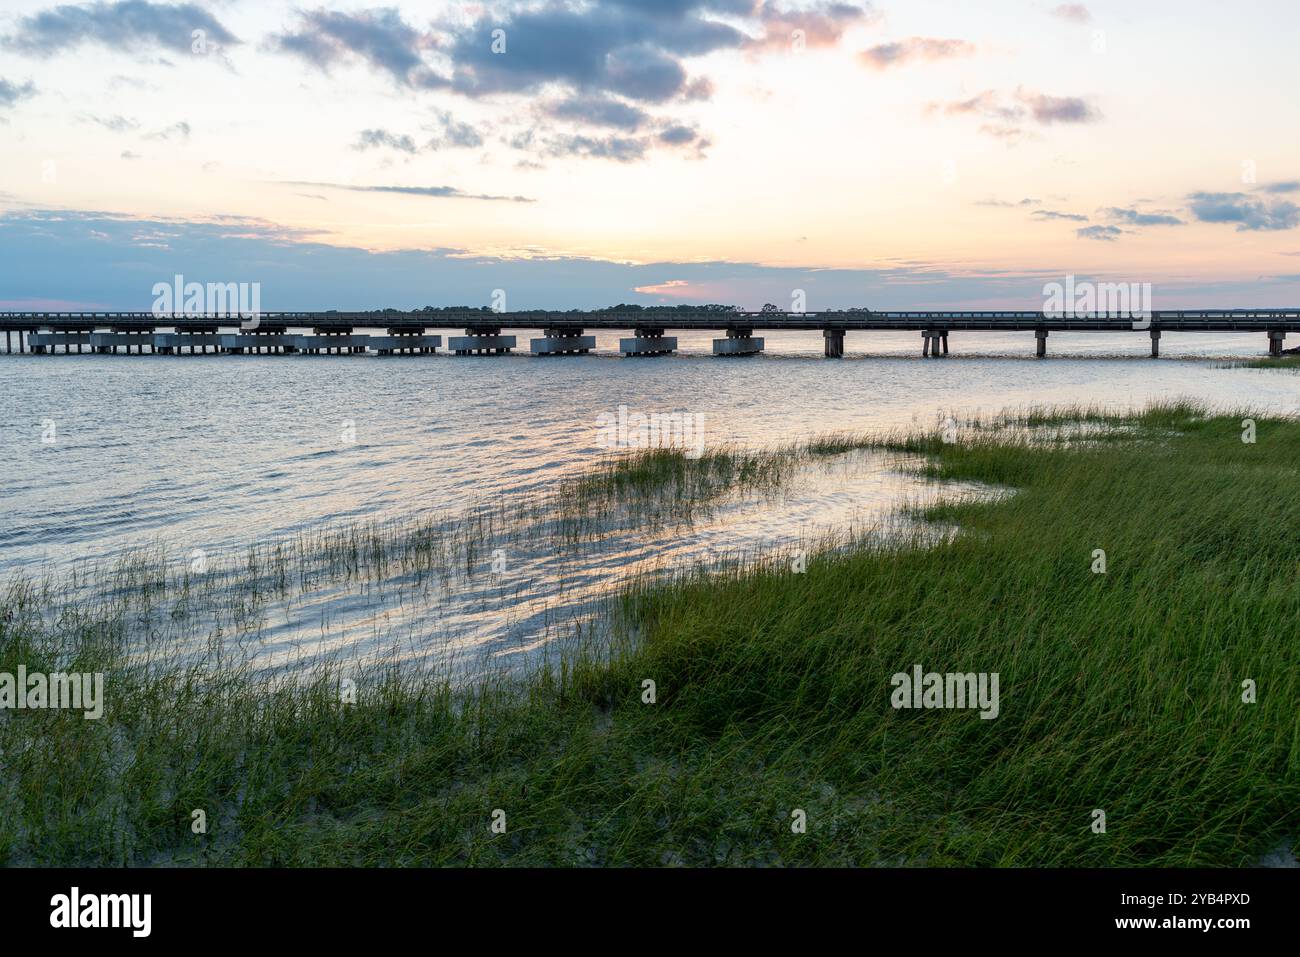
{"type": "Point", "coordinates": [621, 307]}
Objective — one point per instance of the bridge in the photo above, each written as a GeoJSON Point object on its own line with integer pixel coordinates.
{"type": "Point", "coordinates": [566, 332]}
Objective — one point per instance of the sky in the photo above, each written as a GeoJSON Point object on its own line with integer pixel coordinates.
{"type": "Point", "coordinates": [914, 153]}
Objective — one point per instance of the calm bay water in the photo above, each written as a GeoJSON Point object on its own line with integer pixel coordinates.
{"type": "Point", "coordinates": [217, 452]}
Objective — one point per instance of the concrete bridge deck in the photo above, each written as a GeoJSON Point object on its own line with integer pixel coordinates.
{"type": "Point", "coordinates": [565, 332]}
{"type": "Point", "coordinates": [1180, 320]}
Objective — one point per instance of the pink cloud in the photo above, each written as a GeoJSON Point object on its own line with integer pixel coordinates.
{"type": "Point", "coordinates": [914, 49]}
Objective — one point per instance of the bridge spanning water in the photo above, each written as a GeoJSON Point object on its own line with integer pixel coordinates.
{"type": "Point", "coordinates": [484, 332]}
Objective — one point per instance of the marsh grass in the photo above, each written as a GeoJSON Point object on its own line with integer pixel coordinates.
{"type": "Point", "coordinates": [161, 597]}
{"type": "Point", "coordinates": [1119, 691]}
{"type": "Point", "coordinates": [1287, 361]}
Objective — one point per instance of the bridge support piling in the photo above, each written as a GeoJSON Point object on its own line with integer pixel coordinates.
{"type": "Point", "coordinates": [834, 343]}
{"type": "Point", "coordinates": [1275, 340]}
{"type": "Point", "coordinates": [1155, 343]}
{"type": "Point", "coordinates": [739, 342]}
{"type": "Point", "coordinates": [943, 336]}
{"type": "Point", "coordinates": [562, 342]}
{"type": "Point", "coordinates": [402, 341]}
{"type": "Point", "coordinates": [479, 340]}
{"type": "Point", "coordinates": [648, 341]}
{"type": "Point", "coordinates": [1041, 336]}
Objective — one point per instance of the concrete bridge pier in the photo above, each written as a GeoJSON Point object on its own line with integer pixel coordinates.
{"type": "Point", "coordinates": [648, 342]}
{"type": "Point", "coordinates": [264, 340]}
{"type": "Point", "coordinates": [562, 342]}
{"type": "Point", "coordinates": [339, 344]}
{"type": "Point", "coordinates": [935, 343]}
{"type": "Point", "coordinates": [321, 341]}
{"type": "Point", "coordinates": [344, 342]}
{"type": "Point", "coordinates": [106, 343]}
{"type": "Point", "coordinates": [1155, 343]}
{"type": "Point", "coordinates": [739, 342]}
{"type": "Point", "coordinates": [481, 340]}
{"type": "Point", "coordinates": [41, 341]}
{"type": "Point", "coordinates": [834, 343]}
{"type": "Point", "coordinates": [1275, 340]}
{"type": "Point", "coordinates": [175, 343]}
{"type": "Point", "coordinates": [405, 341]}
{"type": "Point", "coordinates": [1041, 336]}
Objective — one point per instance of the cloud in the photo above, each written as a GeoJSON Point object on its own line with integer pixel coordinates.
{"type": "Point", "coordinates": [1135, 217]}
{"type": "Point", "coordinates": [11, 93]}
{"type": "Point", "coordinates": [1044, 215]}
{"type": "Point", "coordinates": [450, 132]}
{"type": "Point", "coordinates": [913, 49]}
{"type": "Point", "coordinates": [128, 155]}
{"type": "Point", "coordinates": [678, 135]}
{"type": "Point", "coordinates": [1074, 12]}
{"type": "Point", "coordinates": [1007, 204]}
{"type": "Point", "coordinates": [625, 48]}
{"type": "Point", "coordinates": [612, 114]}
{"type": "Point", "coordinates": [376, 139]}
{"type": "Point", "coordinates": [1058, 109]}
{"type": "Point", "coordinates": [820, 25]}
{"type": "Point", "coordinates": [115, 123]}
{"type": "Point", "coordinates": [988, 104]}
{"type": "Point", "coordinates": [432, 192]}
{"type": "Point", "coordinates": [1008, 112]}
{"type": "Point", "coordinates": [181, 129]}
{"type": "Point", "coordinates": [1006, 132]}
{"type": "Point", "coordinates": [620, 147]}
{"type": "Point", "coordinates": [127, 24]}
{"type": "Point", "coordinates": [121, 81]}
{"type": "Point", "coordinates": [623, 149]}
{"type": "Point", "coordinates": [1103, 233]}
{"type": "Point", "coordinates": [598, 111]}
{"type": "Point", "coordinates": [601, 65]}
{"type": "Point", "coordinates": [634, 52]}
{"type": "Point", "coordinates": [617, 147]}
{"type": "Point", "coordinates": [379, 38]}
{"type": "Point", "coordinates": [1290, 186]}
{"type": "Point", "coordinates": [1249, 213]}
